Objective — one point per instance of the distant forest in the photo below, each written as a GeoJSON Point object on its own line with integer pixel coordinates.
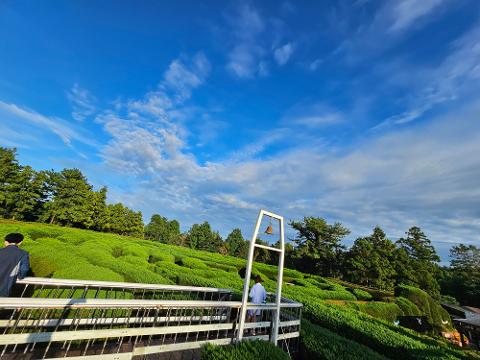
{"type": "Point", "coordinates": [66, 198]}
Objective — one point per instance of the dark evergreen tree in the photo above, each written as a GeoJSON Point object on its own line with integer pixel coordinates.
{"type": "Point", "coordinates": [423, 260]}
{"type": "Point", "coordinates": [370, 261]}
{"type": "Point", "coordinates": [319, 246]}
{"type": "Point", "coordinates": [163, 230]}
{"type": "Point", "coordinates": [236, 244]}
{"type": "Point", "coordinates": [202, 237]}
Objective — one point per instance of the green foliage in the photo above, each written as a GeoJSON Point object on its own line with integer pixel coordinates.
{"type": "Point", "coordinates": [320, 343]}
{"type": "Point", "coordinates": [422, 260]}
{"type": "Point", "coordinates": [64, 198]}
{"type": "Point", "coordinates": [380, 310]}
{"type": "Point", "coordinates": [89, 272]}
{"type": "Point", "coordinates": [408, 307]}
{"type": "Point", "coordinates": [319, 245]}
{"type": "Point", "coordinates": [370, 261]}
{"type": "Point", "coordinates": [163, 230]}
{"type": "Point", "coordinates": [462, 279]}
{"type": "Point", "coordinates": [74, 253]}
{"type": "Point", "coordinates": [202, 237]}
{"type": "Point", "coordinates": [389, 340]}
{"type": "Point", "coordinates": [362, 294]}
{"type": "Point", "coordinates": [236, 244]}
{"type": "Point", "coordinates": [246, 350]}
{"type": "Point", "coordinates": [436, 315]}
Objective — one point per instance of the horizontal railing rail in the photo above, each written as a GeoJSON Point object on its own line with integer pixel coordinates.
{"type": "Point", "coordinates": [39, 281]}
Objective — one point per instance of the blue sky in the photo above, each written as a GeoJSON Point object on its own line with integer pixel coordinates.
{"type": "Point", "coordinates": [363, 112]}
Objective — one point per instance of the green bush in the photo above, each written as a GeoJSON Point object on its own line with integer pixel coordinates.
{"type": "Point", "coordinates": [42, 266]}
{"type": "Point", "coordinates": [380, 310]}
{"type": "Point", "coordinates": [86, 271]}
{"type": "Point", "coordinates": [362, 294]}
{"type": "Point", "coordinates": [246, 350]}
{"type": "Point", "coordinates": [408, 308]}
{"type": "Point", "coordinates": [319, 343]}
{"type": "Point", "coordinates": [393, 342]}
{"type": "Point", "coordinates": [437, 316]}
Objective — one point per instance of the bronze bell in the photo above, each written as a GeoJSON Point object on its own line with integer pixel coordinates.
{"type": "Point", "coordinates": [269, 230]}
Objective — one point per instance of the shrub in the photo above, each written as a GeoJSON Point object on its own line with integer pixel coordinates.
{"type": "Point", "coordinates": [319, 343]}
{"type": "Point", "coordinates": [408, 308]}
{"type": "Point", "coordinates": [87, 271]}
{"type": "Point", "coordinates": [246, 350]}
{"type": "Point", "coordinates": [436, 315]}
{"type": "Point", "coordinates": [380, 310]}
{"type": "Point", "coordinates": [362, 294]}
{"type": "Point", "coordinates": [42, 266]}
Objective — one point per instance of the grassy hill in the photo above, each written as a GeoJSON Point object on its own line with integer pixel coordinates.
{"type": "Point", "coordinates": [342, 320]}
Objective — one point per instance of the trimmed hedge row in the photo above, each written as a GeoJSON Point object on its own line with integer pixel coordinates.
{"type": "Point", "coordinates": [319, 343]}
{"type": "Point", "coordinates": [246, 350]}
{"type": "Point", "coordinates": [437, 316]}
{"type": "Point", "coordinates": [386, 339]}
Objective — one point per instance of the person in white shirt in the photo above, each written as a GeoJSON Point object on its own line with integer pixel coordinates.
{"type": "Point", "coordinates": [258, 295]}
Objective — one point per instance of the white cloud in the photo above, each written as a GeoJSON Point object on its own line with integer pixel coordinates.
{"type": "Point", "coordinates": [311, 115]}
{"type": "Point", "coordinates": [283, 53]}
{"type": "Point", "coordinates": [250, 39]}
{"type": "Point", "coordinates": [390, 23]}
{"type": "Point", "coordinates": [82, 102]}
{"type": "Point", "coordinates": [456, 77]}
{"type": "Point", "coordinates": [66, 132]}
{"type": "Point", "coordinates": [407, 12]}
{"type": "Point", "coordinates": [315, 64]}
{"type": "Point", "coordinates": [422, 176]}
{"type": "Point", "coordinates": [245, 56]}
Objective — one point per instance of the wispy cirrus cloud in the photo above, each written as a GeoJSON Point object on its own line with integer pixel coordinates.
{"type": "Point", "coordinates": [456, 77]}
{"type": "Point", "coordinates": [424, 175]}
{"type": "Point", "coordinates": [60, 127]}
{"type": "Point", "coordinates": [389, 24]}
{"type": "Point", "coordinates": [283, 53]}
{"type": "Point", "coordinates": [406, 12]}
{"type": "Point", "coordinates": [255, 42]}
{"type": "Point", "coordinates": [82, 102]}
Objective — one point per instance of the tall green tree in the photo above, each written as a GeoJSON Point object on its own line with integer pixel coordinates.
{"type": "Point", "coordinates": [370, 261]}
{"type": "Point", "coordinates": [462, 279]}
{"type": "Point", "coordinates": [119, 219]}
{"type": "Point", "coordinates": [30, 195]}
{"type": "Point", "coordinates": [465, 258]}
{"type": "Point", "coordinates": [161, 229]}
{"type": "Point", "coordinates": [201, 237]}
{"type": "Point", "coordinates": [236, 244]}
{"type": "Point", "coordinates": [9, 180]}
{"type": "Point", "coordinates": [423, 260]}
{"type": "Point", "coordinates": [319, 245]}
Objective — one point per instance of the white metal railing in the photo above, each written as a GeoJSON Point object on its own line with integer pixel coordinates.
{"type": "Point", "coordinates": [120, 328]}
{"type": "Point", "coordinates": [69, 288]}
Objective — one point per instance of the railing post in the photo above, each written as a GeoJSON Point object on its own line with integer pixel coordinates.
{"type": "Point", "coordinates": [248, 274]}
{"type": "Point", "coordinates": [278, 300]}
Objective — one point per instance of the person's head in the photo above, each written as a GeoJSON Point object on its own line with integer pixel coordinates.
{"type": "Point", "coordinates": [13, 239]}
{"type": "Point", "coordinates": [258, 279]}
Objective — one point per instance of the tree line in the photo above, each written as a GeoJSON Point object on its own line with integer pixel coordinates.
{"type": "Point", "coordinates": [66, 198]}
{"type": "Point", "coordinates": [63, 198]}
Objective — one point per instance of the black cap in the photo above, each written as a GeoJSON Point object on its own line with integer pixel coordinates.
{"type": "Point", "coordinates": [14, 238]}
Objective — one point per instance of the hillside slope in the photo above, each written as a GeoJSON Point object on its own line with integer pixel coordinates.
{"type": "Point", "coordinates": [339, 315]}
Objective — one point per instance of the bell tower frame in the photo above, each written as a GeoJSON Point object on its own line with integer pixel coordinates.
{"type": "Point", "coordinates": [248, 274]}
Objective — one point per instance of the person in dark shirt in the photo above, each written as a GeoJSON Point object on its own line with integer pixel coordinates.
{"type": "Point", "coordinates": [14, 263]}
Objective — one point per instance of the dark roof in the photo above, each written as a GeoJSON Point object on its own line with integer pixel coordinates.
{"type": "Point", "coordinates": [474, 321]}
{"type": "Point", "coordinates": [472, 309]}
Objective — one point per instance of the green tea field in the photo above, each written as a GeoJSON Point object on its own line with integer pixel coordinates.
{"type": "Point", "coordinates": [341, 320]}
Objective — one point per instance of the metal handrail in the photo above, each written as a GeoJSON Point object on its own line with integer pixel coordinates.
{"type": "Point", "coordinates": [115, 285]}
{"type": "Point", "coordinates": [49, 303]}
